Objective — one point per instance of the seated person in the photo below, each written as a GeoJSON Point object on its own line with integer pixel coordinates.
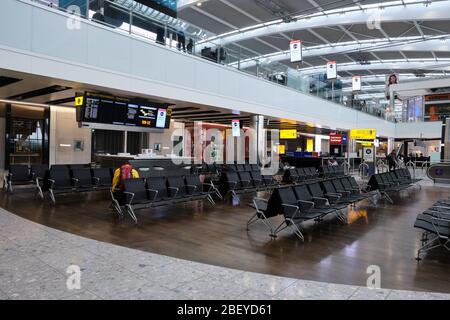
{"type": "Point", "coordinates": [333, 162]}
{"type": "Point", "coordinates": [120, 175]}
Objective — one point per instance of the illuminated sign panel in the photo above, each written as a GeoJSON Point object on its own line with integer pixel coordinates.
{"type": "Point", "coordinates": [288, 134]}
{"type": "Point", "coordinates": [335, 139]}
{"type": "Point", "coordinates": [363, 134]}
{"type": "Point", "coordinates": [103, 109]}
{"type": "Point", "coordinates": [79, 101]}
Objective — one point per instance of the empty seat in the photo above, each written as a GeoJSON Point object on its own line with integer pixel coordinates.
{"type": "Point", "coordinates": [82, 179]}
{"type": "Point", "coordinates": [102, 177]}
{"type": "Point", "coordinates": [18, 174]}
{"type": "Point", "coordinates": [196, 188]}
{"type": "Point", "coordinates": [293, 216]}
{"type": "Point", "coordinates": [58, 180]}
{"type": "Point", "coordinates": [177, 188]}
{"type": "Point", "coordinates": [158, 185]}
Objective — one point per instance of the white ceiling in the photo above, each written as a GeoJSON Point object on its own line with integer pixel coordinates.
{"type": "Point", "coordinates": [343, 31]}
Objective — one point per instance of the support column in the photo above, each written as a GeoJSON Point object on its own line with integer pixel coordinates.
{"type": "Point", "coordinates": [390, 144]}
{"type": "Point", "coordinates": [125, 142]}
{"type": "Point", "coordinates": [257, 141]}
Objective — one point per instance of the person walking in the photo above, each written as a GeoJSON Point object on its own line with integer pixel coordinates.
{"type": "Point", "coordinates": [392, 160]}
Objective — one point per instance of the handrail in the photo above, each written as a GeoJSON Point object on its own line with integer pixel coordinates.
{"type": "Point", "coordinates": [363, 170]}
{"type": "Point", "coordinates": [381, 166]}
{"type": "Point", "coordinates": [413, 166]}
{"type": "Point", "coordinates": [425, 163]}
{"type": "Point", "coordinates": [346, 166]}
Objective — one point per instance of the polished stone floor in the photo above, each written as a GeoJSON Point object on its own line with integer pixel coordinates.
{"type": "Point", "coordinates": [34, 260]}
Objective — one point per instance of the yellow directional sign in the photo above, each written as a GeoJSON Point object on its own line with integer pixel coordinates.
{"type": "Point", "coordinates": [288, 134]}
{"type": "Point", "coordinates": [363, 134]}
{"type": "Point", "coordinates": [79, 101]}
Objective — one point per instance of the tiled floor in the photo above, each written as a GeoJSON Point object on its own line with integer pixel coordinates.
{"type": "Point", "coordinates": [34, 260]}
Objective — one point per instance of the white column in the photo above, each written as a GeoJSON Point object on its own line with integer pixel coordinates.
{"type": "Point", "coordinates": [125, 138]}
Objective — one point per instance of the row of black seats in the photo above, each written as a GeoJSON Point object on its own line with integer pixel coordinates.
{"type": "Point", "coordinates": [297, 175]}
{"type": "Point", "coordinates": [332, 171]}
{"type": "Point", "coordinates": [393, 181]}
{"type": "Point", "coordinates": [19, 174]}
{"type": "Point", "coordinates": [435, 223]}
{"type": "Point", "coordinates": [235, 183]}
{"type": "Point", "coordinates": [69, 179]}
{"type": "Point", "coordinates": [309, 201]}
{"type": "Point", "coordinates": [59, 178]}
{"type": "Point", "coordinates": [160, 191]}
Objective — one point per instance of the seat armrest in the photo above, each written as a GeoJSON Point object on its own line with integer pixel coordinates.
{"type": "Point", "coordinates": [321, 201]}
{"type": "Point", "coordinates": [75, 181]}
{"type": "Point", "coordinates": [305, 205]}
{"type": "Point", "coordinates": [210, 185]}
{"type": "Point", "coordinates": [155, 192]}
{"type": "Point", "coordinates": [293, 209]}
{"type": "Point", "coordinates": [129, 196]}
{"type": "Point", "coordinates": [176, 190]}
{"type": "Point", "coordinates": [247, 183]}
{"type": "Point", "coordinates": [232, 184]}
{"type": "Point", "coordinates": [194, 188]}
{"type": "Point", "coordinates": [334, 194]}
{"type": "Point", "coordinates": [96, 180]}
{"type": "Point", "coordinates": [344, 192]}
{"type": "Point", "coordinates": [257, 202]}
{"type": "Point", "coordinates": [52, 182]}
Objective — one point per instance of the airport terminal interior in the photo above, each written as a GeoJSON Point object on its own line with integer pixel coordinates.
{"type": "Point", "coordinates": [224, 149]}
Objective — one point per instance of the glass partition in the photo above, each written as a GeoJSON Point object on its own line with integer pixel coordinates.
{"type": "Point", "coordinates": [133, 18]}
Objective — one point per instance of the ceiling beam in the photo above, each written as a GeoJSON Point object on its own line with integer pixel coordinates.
{"type": "Point", "coordinates": [437, 44]}
{"type": "Point", "coordinates": [394, 13]}
{"type": "Point", "coordinates": [431, 64]}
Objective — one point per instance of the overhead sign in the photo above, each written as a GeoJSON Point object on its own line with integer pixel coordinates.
{"type": "Point", "coordinates": [288, 134]}
{"type": "Point", "coordinates": [331, 70]}
{"type": "Point", "coordinates": [79, 101]}
{"type": "Point", "coordinates": [281, 149]}
{"type": "Point", "coordinates": [376, 143]}
{"type": "Point", "coordinates": [363, 134]}
{"type": "Point", "coordinates": [296, 51]}
{"type": "Point", "coordinates": [356, 83]}
{"type": "Point", "coordinates": [335, 139]}
{"type": "Point", "coordinates": [236, 128]}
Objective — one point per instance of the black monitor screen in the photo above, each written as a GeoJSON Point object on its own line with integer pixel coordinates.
{"type": "Point", "coordinates": [168, 7]}
{"type": "Point", "coordinates": [126, 112]}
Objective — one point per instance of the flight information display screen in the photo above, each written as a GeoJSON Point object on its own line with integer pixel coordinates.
{"type": "Point", "coordinates": [168, 7]}
{"type": "Point", "coordinates": [125, 112]}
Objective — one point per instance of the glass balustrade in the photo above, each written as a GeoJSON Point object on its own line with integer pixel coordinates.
{"type": "Point", "coordinates": [135, 19]}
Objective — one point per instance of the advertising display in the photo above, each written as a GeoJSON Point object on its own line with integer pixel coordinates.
{"type": "Point", "coordinates": [110, 110]}
{"type": "Point", "coordinates": [161, 118]}
{"type": "Point", "coordinates": [296, 51]}
{"type": "Point", "coordinates": [236, 128]}
{"type": "Point", "coordinates": [288, 134]}
{"type": "Point", "coordinates": [390, 80]}
{"type": "Point", "coordinates": [356, 83]}
{"type": "Point", "coordinates": [331, 70]}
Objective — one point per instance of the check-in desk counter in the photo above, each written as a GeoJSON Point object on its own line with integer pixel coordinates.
{"type": "Point", "coordinates": [166, 165]}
